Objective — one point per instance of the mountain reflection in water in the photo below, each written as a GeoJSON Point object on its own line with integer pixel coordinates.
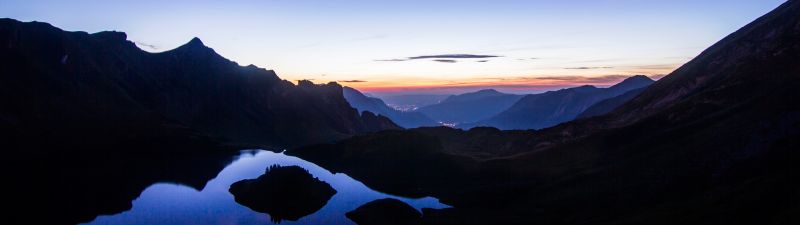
{"type": "Point", "coordinates": [168, 203]}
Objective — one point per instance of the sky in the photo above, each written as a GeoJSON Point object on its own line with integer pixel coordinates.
{"type": "Point", "coordinates": [415, 46]}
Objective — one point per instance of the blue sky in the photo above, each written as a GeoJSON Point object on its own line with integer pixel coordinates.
{"type": "Point", "coordinates": [596, 41]}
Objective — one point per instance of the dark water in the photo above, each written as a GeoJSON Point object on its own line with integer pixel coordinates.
{"type": "Point", "coordinates": [168, 203]}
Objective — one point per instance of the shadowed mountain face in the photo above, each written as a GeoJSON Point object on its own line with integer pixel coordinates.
{"type": "Point", "coordinates": [375, 105]}
{"type": "Point", "coordinates": [411, 102]}
{"type": "Point", "coordinates": [608, 105]}
{"type": "Point", "coordinates": [73, 85]}
{"type": "Point", "coordinates": [470, 107]}
{"type": "Point", "coordinates": [551, 108]}
{"type": "Point", "coordinates": [715, 142]}
{"type": "Point", "coordinates": [285, 193]}
{"type": "Point", "coordinates": [75, 186]}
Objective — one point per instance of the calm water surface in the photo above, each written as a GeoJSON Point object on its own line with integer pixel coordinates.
{"type": "Point", "coordinates": [166, 203]}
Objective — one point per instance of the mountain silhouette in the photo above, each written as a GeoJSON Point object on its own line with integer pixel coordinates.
{"type": "Point", "coordinates": [375, 105]}
{"type": "Point", "coordinates": [470, 107]}
{"type": "Point", "coordinates": [548, 109]}
{"type": "Point", "coordinates": [69, 86]}
{"type": "Point", "coordinates": [387, 211]}
{"type": "Point", "coordinates": [410, 102]}
{"type": "Point", "coordinates": [714, 142]}
{"type": "Point", "coordinates": [606, 106]}
{"type": "Point", "coordinates": [283, 192]}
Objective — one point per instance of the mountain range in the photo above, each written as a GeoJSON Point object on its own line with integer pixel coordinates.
{"type": "Point", "coordinates": [608, 105]}
{"type": "Point", "coordinates": [469, 107]}
{"type": "Point", "coordinates": [90, 121]}
{"type": "Point", "coordinates": [406, 119]}
{"type": "Point", "coordinates": [80, 89]}
{"type": "Point", "coordinates": [714, 142]}
{"type": "Point", "coordinates": [410, 102]}
{"type": "Point", "coordinates": [537, 111]}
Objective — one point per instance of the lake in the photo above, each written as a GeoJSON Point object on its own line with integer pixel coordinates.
{"type": "Point", "coordinates": [170, 203]}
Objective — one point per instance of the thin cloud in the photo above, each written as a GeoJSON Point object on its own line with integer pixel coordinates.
{"type": "Point", "coordinates": [482, 61]}
{"type": "Point", "coordinates": [531, 84]}
{"type": "Point", "coordinates": [352, 81]}
{"type": "Point", "coordinates": [588, 68]}
{"type": "Point", "coordinates": [656, 67]}
{"type": "Point", "coordinates": [657, 76]}
{"type": "Point", "coordinates": [650, 68]}
{"type": "Point", "coordinates": [453, 56]}
{"type": "Point", "coordinates": [590, 80]}
{"type": "Point", "coordinates": [146, 45]}
{"type": "Point", "coordinates": [446, 58]}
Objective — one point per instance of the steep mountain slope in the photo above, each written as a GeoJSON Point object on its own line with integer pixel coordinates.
{"type": "Point", "coordinates": [608, 105]}
{"type": "Point", "coordinates": [715, 142]}
{"type": "Point", "coordinates": [410, 102]}
{"type": "Point", "coordinates": [375, 105]}
{"type": "Point", "coordinates": [470, 107]}
{"type": "Point", "coordinates": [551, 108]}
{"type": "Point", "coordinates": [73, 86]}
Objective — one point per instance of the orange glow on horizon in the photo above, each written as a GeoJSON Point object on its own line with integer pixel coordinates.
{"type": "Point", "coordinates": [516, 84]}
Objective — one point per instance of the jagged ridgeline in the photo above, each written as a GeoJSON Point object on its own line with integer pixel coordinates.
{"type": "Point", "coordinates": [67, 87]}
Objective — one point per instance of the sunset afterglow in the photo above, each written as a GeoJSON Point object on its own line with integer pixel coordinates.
{"type": "Point", "coordinates": [423, 46]}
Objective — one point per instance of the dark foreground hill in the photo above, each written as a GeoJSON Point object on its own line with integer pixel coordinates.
{"type": "Point", "coordinates": [88, 121]}
{"type": "Point", "coordinates": [79, 88]}
{"type": "Point", "coordinates": [608, 105]}
{"type": "Point", "coordinates": [714, 142]}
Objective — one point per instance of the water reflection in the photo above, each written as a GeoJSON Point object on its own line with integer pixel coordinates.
{"type": "Point", "coordinates": [75, 186]}
{"type": "Point", "coordinates": [166, 203]}
{"type": "Point", "coordinates": [283, 192]}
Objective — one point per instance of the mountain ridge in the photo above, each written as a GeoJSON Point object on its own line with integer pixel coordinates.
{"type": "Point", "coordinates": [714, 142]}
{"type": "Point", "coordinates": [106, 82]}
{"type": "Point", "coordinates": [537, 111]}
{"type": "Point", "coordinates": [375, 105]}
{"type": "Point", "coordinates": [608, 105]}
{"type": "Point", "coordinates": [469, 107]}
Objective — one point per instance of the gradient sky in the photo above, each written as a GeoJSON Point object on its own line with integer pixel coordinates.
{"type": "Point", "coordinates": [371, 45]}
